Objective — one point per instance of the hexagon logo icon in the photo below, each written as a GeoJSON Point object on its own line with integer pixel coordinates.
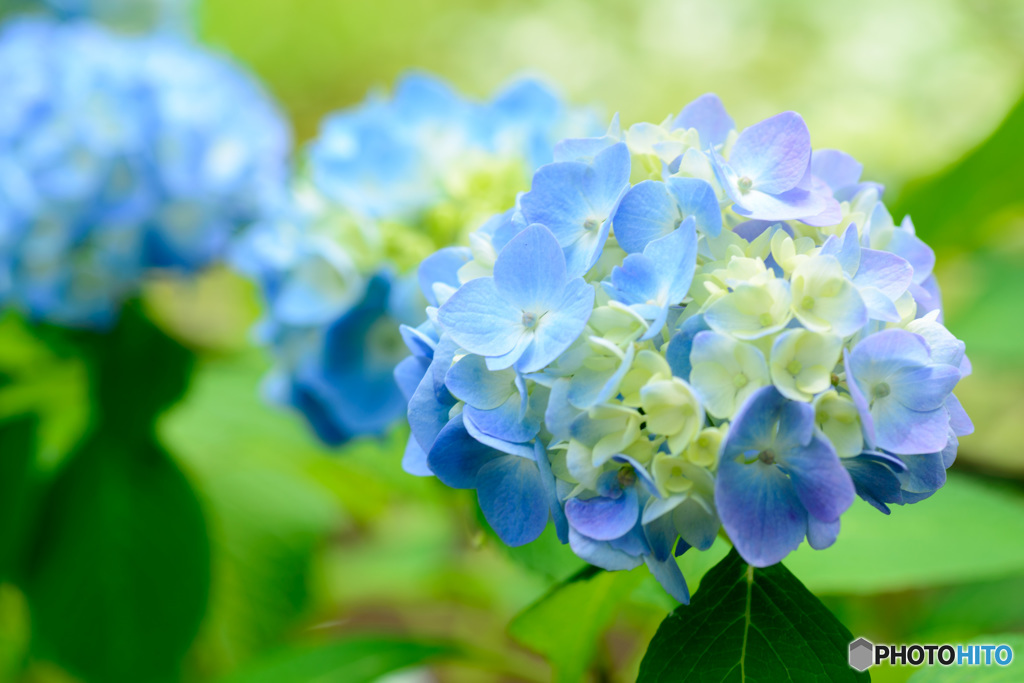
{"type": "Point", "coordinates": [862, 654]}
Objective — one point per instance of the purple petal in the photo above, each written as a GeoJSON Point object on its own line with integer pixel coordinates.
{"type": "Point", "coordinates": [821, 535]}
{"type": "Point", "coordinates": [760, 511]}
{"type": "Point", "coordinates": [774, 154]}
{"type": "Point", "coordinates": [822, 484]}
{"type": "Point", "coordinates": [903, 431]}
{"type": "Point", "coordinates": [837, 169]}
{"type": "Point", "coordinates": [604, 519]}
{"type": "Point", "coordinates": [959, 422]}
{"type": "Point", "coordinates": [924, 388]}
{"type": "Point", "coordinates": [708, 116]}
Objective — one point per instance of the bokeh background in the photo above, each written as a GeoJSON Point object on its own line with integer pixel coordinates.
{"type": "Point", "coordinates": [312, 548]}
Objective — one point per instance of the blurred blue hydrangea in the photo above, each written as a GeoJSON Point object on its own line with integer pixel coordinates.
{"type": "Point", "coordinates": [384, 185]}
{"type": "Point", "coordinates": [684, 328]}
{"type": "Point", "coordinates": [130, 15]}
{"type": "Point", "coordinates": [119, 156]}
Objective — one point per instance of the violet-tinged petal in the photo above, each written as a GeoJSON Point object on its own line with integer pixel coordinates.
{"type": "Point", "coordinates": [604, 519]}
{"type": "Point", "coordinates": [708, 116]}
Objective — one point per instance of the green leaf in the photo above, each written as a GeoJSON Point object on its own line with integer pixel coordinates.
{"type": "Point", "coordinates": [911, 547]}
{"type": "Point", "coordinates": [18, 489]}
{"type": "Point", "coordinates": [980, 190]}
{"type": "Point", "coordinates": [118, 578]}
{"type": "Point", "coordinates": [747, 624]}
{"type": "Point", "coordinates": [1012, 673]}
{"type": "Point", "coordinates": [356, 660]}
{"type": "Point", "coordinates": [566, 624]}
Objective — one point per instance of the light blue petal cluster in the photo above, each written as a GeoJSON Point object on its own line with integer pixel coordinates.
{"type": "Point", "coordinates": [118, 156]}
{"type": "Point", "coordinates": [382, 187]}
{"type": "Point", "coordinates": [683, 329]}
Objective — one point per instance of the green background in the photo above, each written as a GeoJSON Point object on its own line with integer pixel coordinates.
{"type": "Point", "coordinates": [326, 560]}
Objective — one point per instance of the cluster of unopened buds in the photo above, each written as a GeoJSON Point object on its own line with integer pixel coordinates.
{"type": "Point", "coordinates": [684, 329]}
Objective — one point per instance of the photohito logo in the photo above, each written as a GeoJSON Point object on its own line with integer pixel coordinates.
{"type": "Point", "coordinates": [864, 654]}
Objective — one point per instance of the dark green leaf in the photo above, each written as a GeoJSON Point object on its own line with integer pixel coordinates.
{"type": "Point", "coordinates": [18, 490]}
{"type": "Point", "coordinates": [119, 574]}
{"type": "Point", "coordinates": [356, 660]}
{"type": "Point", "coordinates": [1012, 673]}
{"type": "Point", "coordinates": [747, 624]}
{"type": "Point", "coordinates": [566, 624]}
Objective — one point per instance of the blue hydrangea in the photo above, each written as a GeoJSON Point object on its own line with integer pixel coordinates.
{"type": "Point", "coordinates": [684, 330]}
{"type": "Point", "coordinates": [120, 156]}
{"type": "Point", "coordinates": [385, 184]}
{"type": "Point", "coordinates": [133, 15]}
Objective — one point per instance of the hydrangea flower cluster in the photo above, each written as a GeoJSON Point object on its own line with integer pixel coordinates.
{"type": "Point", "coordinates": [384, 185]}
{"type": "Point", "coordinates": [120, 155]}
{"type": "Point", "coordinates": [681, 329]}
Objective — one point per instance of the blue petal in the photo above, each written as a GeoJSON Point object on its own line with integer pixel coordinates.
{"type": "Point", "coordinates": [790, 205]}
{"type": "Point", "coordinates": [479, 319]}
{"type": "Point", "coordinates": [505, 422]}
{"type": "Point", "coordinates": [428, 410]}
{"type": "Point", "coordinates": [668, 575]}
{"type": "Point", "coordinates": [414, 460]}
{"type": "Point", "coordinates": [441, 267]}
{"type": "Point", "coordinates": [874, 479]}
{"type": "Point", "coordinates": [530, 271]}
{"type": "Point", "coordinates": [604, 519]}
{"type": "Point", "coordinates": [678, 351]}
{"type": "Point", "coordinates": [697, 525]}
{"type": "Point", "coordinates": [409, 373]}
{"type": "Point", "coordinates": [540, 456]}
{"type": "Point", "coordinates": [675, 259]}
{"type": "Point", "coordinates": [513, 499]}
{"type": "Point", "coordinates": [647, 211]}
{"type": "Point", "coordinates": [559, 327]}
{"type": "Point", "coordinates": [925, 473]}
{"type": "Point", "coordinates": [760, 510]}
{"type": "Point", "coordinates": [457, 458]}
{"type": "Point", "coordinates": [601, 553]}
{"type": "Point", "coordinates": [636, 281]}
{"type": "Point", "coordinates": [697, 198]}
{"type": "Point", "coordinates": [708, 116]}
{"type": "Point", "coordinates": [469, 380]}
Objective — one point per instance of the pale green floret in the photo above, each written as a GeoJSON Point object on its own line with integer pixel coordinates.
{"type": "Point", "coordinates": [824, 299]}
{"type": "Point", "coordinates": [671, 409]}
{"type": "Point", "coordinates": [838, 418]}
{"type": "Point", "coordinates": [704, 449]}
{"type": "Point", "coordinates": [725, 378]}
{"type": "Point", "coordinates": [752, 310]}
{"type": "Point", "coordinates": [648, 367]}
{"type": "Point", "coordinates": [670, 474]}
{"type": "Point", "coordinates": [790, 253]}
{"type": "Point", "coordinates": [802, 362]}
